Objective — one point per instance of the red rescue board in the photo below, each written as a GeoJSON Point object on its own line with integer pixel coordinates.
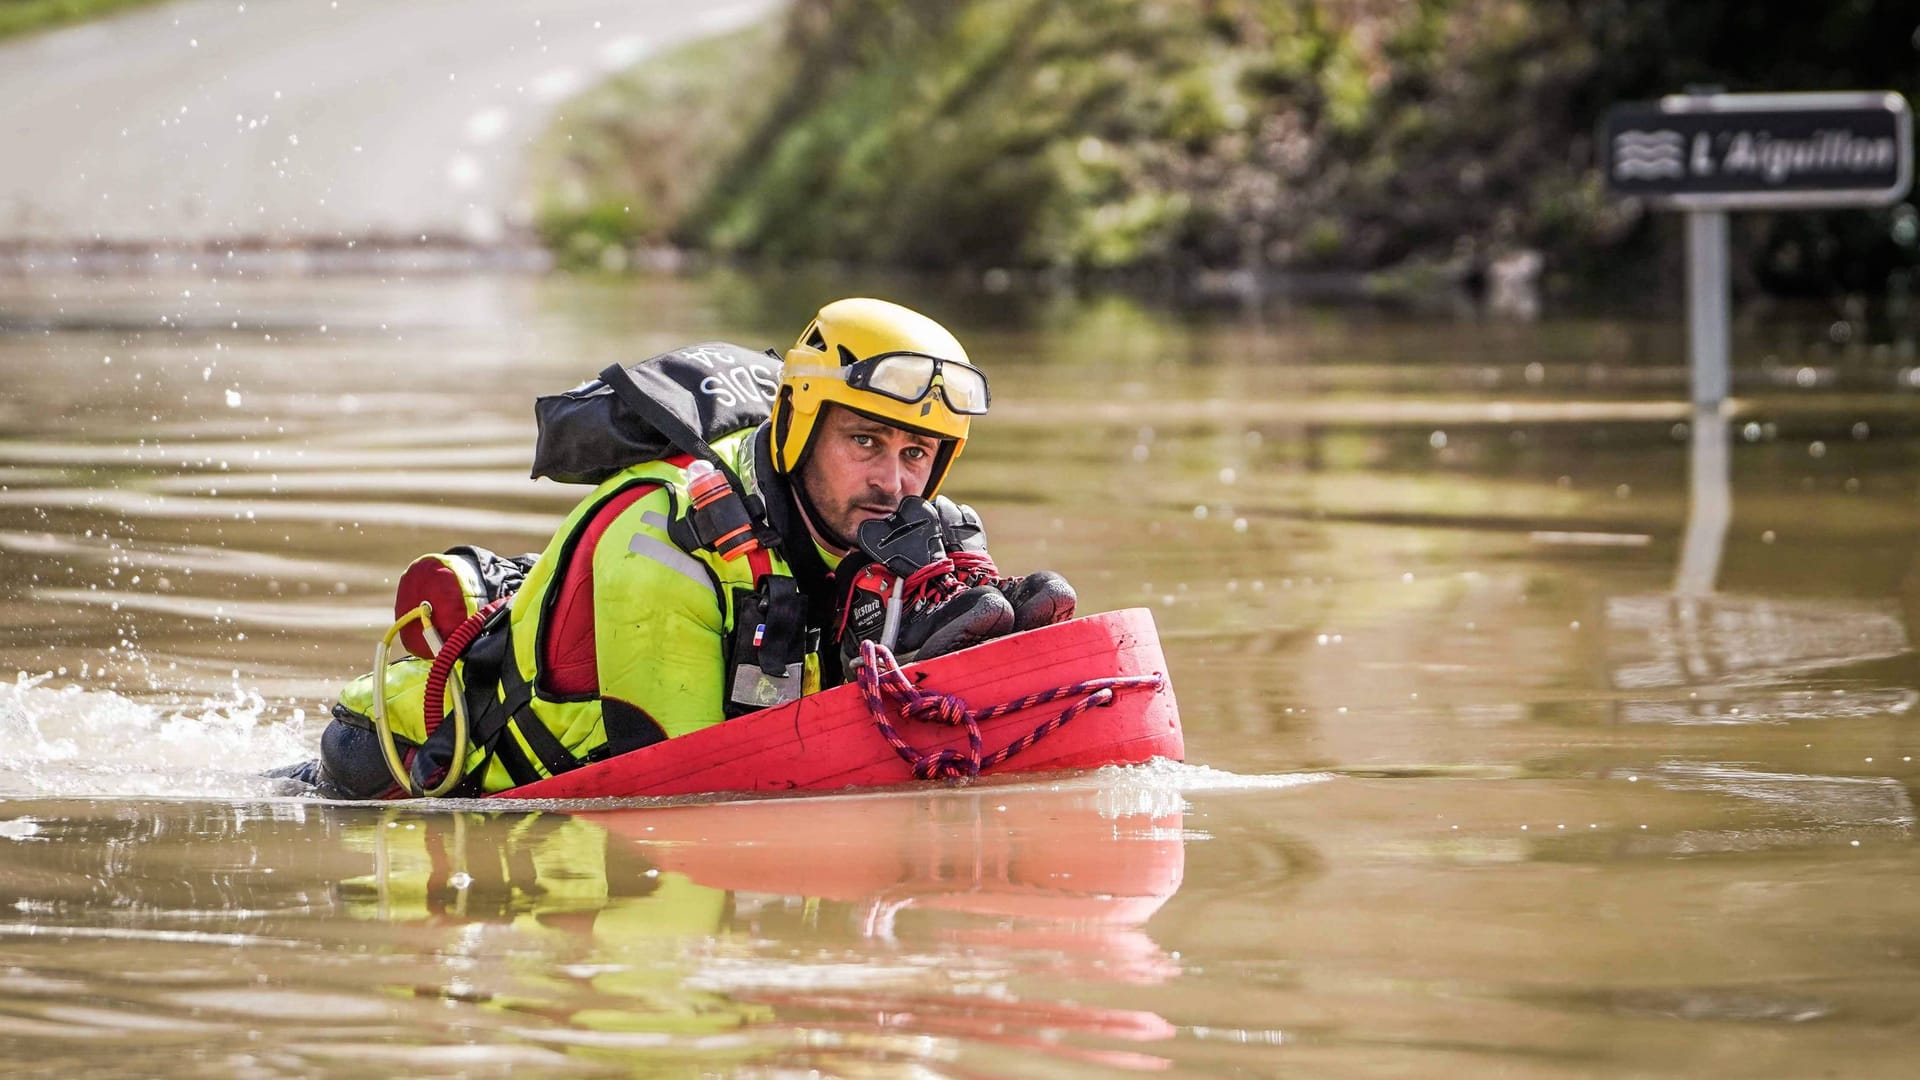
{"type": "Point", "coordinates": [828, 740]}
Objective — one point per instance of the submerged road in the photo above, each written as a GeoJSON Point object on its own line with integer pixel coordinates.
{"type": "Point", "coordinates": [287, 122]}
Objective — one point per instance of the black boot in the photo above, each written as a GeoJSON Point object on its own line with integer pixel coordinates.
{"type": "Point", "coordinates": [979, 614]}
{"type": "Point", "coordinates": [350, 765]}
{"type": "Point", "coordinates": [1041, 598]}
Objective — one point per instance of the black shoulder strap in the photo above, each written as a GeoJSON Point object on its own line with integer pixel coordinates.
{"type": "Point", "coordinates": [663, 403]}
{"type": "Point", "coordinates": [666, 404]}
{"type": "Point", "coordinates": [490, 707]}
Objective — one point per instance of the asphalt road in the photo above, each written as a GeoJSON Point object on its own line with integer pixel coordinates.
{"type": "Point", "coordinates": [285, 122]}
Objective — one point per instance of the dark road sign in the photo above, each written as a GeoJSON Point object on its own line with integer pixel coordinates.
{"type": "Point", "coordinates": [1761, 151]}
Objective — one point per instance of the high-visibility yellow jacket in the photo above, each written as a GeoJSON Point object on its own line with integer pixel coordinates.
{"type": "Point", "coordinates": [667, 634]}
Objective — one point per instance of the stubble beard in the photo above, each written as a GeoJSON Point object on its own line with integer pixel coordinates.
{"type": "Point", "coordinates": [837, 523]}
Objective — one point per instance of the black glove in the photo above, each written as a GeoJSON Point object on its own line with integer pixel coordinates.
{"type": "Point", "coordinates": [939, 613]}
{"type": "Point", "coordinates": [1041, 598]}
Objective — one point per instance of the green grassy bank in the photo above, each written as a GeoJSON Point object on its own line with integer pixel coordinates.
{"type": "Point", "coordinates": [1408, 140]}
{"type": "Point", "coordinates": [25, 16]}
{"type": "Point", "coordinates": [623, 165]}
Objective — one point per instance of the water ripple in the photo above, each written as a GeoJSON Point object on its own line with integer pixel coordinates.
{"type": "Point", "coordinates": [131, 504]}
{"type": "Point", "coordinates": [132, 933]}
{"type": "Point", "coordinates": [303, 614]}
{"type": "Point", "coordinates": [1831, 800]}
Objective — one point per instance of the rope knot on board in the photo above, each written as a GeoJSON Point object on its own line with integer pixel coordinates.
{"type": "Point", "coordinates": [881, 679]}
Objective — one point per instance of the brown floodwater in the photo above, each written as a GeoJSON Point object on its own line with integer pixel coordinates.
{"type": "Point", "coordinates": [1535, 726]}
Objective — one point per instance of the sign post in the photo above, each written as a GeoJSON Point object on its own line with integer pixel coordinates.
{"type": "Point", "coordinates": [1709, 302]}
{"type": "Point", "coordinates": [1710, 153]}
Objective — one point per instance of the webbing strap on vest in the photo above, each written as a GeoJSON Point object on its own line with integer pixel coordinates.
{"type": "Point", "coordinates": [488, 711]}
{"type": "Point", "coordinates": [516, 699]}
{"type": "Point", "coordinates": [499, 699]}
{"type": "Point", "coordinates": [666, 404]}
{"type": "Point", "coordinates": [513, 706]}
{"type": "Point", "coordinates": [786, 626]}
{"type": "Point", "coordinates": [518, 767]}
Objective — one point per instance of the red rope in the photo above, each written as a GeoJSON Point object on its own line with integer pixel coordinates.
{"type": "Point", "coordinates": [974, 567]}
{"type": "Point", "coordinates": [450, 650]}
{"type": "Point", "coordinates": [880, 674]}
{"type": "Point", "coordinates": [925, 577]}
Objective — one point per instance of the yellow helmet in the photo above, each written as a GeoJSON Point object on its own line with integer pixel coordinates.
{"type": "Point", "coordinates": [883, 361]}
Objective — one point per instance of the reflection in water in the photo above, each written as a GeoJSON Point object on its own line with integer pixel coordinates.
{"type": "Point", "coordinates": [1693, 637]}
{"type": "Point", "coordinates": [1709, 503]}
{"type": "Point", "coordinates": [1819, 800]}
{"type": "Point", "coordinates": [795, 924]}
{"type": "Point", "coordinates": [1660, 640]}
{"type": "Point", "coordinates": [1772, 708]}
{"type": "Point", "coordinates": [600, 927]}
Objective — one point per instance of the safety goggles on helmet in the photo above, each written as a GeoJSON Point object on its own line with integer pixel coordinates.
{"type": "Point", "coordinates": [910, 377]}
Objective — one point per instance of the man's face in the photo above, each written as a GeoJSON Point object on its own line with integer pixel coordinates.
{"type": "Point", "coordinates": [860, 468]}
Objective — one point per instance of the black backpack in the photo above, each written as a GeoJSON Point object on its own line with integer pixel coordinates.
{"type": "Point", "coordinates": [677, 402]}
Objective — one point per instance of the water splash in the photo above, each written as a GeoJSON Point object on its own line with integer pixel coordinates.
{"type": "Point", "coordinates": [1160, 787]}
{"type": "Point", "coordinates": [1185, 777]}
{"type": "Point", "coordinates": [71, 741]}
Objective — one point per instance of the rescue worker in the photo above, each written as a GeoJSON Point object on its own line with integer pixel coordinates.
{"type": "Point", "coordinates": [669, 601]}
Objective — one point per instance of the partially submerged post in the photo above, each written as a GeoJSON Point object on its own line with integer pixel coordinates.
{"type": "Point", "coordinates": [1709, 303]}
{"type": "Point", "coordinates": [1707, 153]}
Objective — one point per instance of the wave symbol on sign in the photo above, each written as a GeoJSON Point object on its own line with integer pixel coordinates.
{"type": "Point", "coordinates": [1649, 155]}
